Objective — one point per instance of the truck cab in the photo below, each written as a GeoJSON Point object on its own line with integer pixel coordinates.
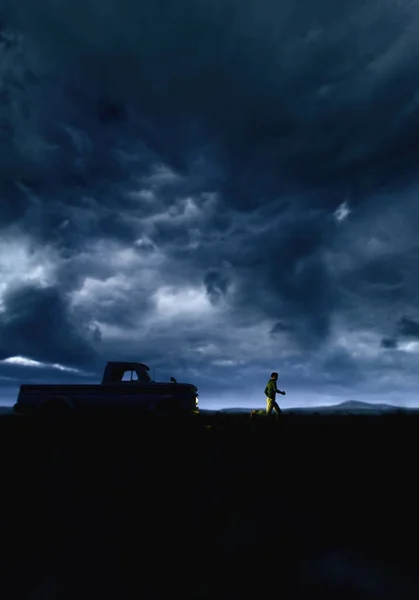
{"type": "Point", "coordinates": [118, 372]}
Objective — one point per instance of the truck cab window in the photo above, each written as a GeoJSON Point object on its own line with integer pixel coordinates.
{"type": "Point", "coordinates": [130, 376]}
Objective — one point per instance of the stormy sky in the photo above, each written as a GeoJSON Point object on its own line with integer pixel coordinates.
{"type": "Point", "coordinates": [216, 188]}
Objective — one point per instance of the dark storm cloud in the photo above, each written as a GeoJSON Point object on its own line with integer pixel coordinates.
{"type": "Point", "coordinates": [37, 323]}
{"type": "Point", "coordinates": [409, 328]}
{"type": "Point", "coordinates": [388, 343]}
{"type": "Point", "coordinates": [406, 328]}
{"type": "Point", "coordinates": [283, 274]}
{"type": "Point", "coordinates": [280, 327]}
{"type": "Point", "coordinates": [216, 285]}
{"type": "Point", "coordinates": [285, 97]}
{"type": "Point", "coordinates": [221, 137]}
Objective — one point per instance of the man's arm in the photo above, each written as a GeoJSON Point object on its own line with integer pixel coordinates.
{"type": "Point", "coordinates": [279, 391]}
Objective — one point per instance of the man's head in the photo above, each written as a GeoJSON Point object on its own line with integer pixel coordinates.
{"type": "Point", "coordinates": [274, 375]}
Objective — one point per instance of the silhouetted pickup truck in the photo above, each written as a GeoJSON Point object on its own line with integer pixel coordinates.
{"type": "Point", "coordinates": [126, 386]}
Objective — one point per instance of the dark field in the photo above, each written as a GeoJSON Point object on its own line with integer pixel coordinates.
{"type": "Point", "coordinates": [210, 507]}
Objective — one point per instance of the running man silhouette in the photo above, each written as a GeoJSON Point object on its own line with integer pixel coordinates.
{"type": "Point", "coordinates": [271, 391]}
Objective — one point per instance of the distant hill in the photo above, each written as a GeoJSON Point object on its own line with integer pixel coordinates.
{"type": "Point", "coordinates": [358, 405]}
{"type": "Point", "coordinates": [349, 406]}
{"type": "Point", "coordinates": [234, 410]}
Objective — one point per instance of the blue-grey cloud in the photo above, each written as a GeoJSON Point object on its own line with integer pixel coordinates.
{"type": "Point", "coordinates": [389, 343]}
{"type": "Point", "coordinates": [409, 328]}
{"type": "Point", "coordinates": [231, 181]}
{"type": "Point", "coordinates": [37, 322]}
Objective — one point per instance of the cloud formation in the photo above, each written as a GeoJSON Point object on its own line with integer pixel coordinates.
{"type": "Point", "coordinates": [221, 191]}
{"type": "Point", "coordinates": [37, 322]}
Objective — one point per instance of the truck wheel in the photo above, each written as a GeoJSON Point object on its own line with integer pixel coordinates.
{"type": "Point", "coordinates": [55, 408]}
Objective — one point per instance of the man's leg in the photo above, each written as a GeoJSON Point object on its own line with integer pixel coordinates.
{"type": "Point", "coordinates": [269, 405]}
{"type": "Point", "coordinates": [275, 405]}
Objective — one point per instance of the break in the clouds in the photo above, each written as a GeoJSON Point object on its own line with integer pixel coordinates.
{"type": "Point", "coordinates": [217, 189]}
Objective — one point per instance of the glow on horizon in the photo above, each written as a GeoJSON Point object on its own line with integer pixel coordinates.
{"type": "Point", "coordinates": [291, 402]}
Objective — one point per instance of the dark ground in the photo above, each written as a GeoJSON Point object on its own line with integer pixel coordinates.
{"type": "Point", "coordinates": [302, 507]}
